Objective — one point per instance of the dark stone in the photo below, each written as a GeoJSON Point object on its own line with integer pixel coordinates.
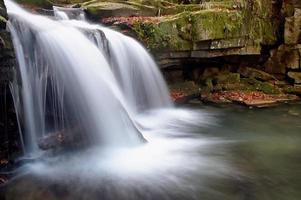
{"type": "Point", "coordinates": [296, 76]}
{"type": "Point", "coordinates": [255, 73]}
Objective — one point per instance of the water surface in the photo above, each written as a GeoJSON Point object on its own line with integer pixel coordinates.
{"type": "Point", "coordinates": [236, 153]}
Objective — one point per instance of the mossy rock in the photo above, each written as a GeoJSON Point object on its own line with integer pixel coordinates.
{"type": "Point", "coordinates": [210, 21]}
{"type": "Point", "coordinates": [227, 81]}
{"type": "Point", "coordinates": [255, 73]}
{"type": "Point", "coordinates": [187, 87]}
{"type": "Point", "coordinates": [180, 32]}
{"type": "Point", "coordinates": [100, 9]}
{"type": "Point", "coordinates": [38, 3]}
{"type": "Point", "coordinates": [3, 15]}
{"type": "Point", "coordinates": [227, 77]}
{"type": "Point", "coordinates": [255, 85]}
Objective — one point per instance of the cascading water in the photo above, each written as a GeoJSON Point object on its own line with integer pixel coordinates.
{"type": "Point", "coordinates": [138, 75]}
{"type": "Point", "coordinates": [104, 90]}
{"type": "Point", "coordinates": [135, 70]}
{"type": "Point", "coordinates": [65, 75]}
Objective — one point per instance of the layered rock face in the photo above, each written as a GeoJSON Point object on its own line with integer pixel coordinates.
{"type": "Point", "coordinates": [8, 124]}
{"type": "Point", "coordinates": [7, 59]}
{"type": "Point", "coordinates": [218, 44]}
{"type": "Point", "coordinates": [221, 45]}
{"type": "Point", "coordinates": [211, 29]}
{"type": "Point", "coordinates": [285, 60]}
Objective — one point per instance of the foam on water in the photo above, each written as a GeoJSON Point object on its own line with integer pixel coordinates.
{"type": "Point", "coordinates": [105, 88]}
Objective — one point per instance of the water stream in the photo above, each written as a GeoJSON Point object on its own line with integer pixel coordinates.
{"type": "Point", "coordinates": [104, 90]}
{"type": "Point", "coordinates": [66, 77]}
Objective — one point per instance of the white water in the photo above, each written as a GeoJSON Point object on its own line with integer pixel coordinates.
{"type": "Point", "coordinates": [64, 75]}
{"type": "Point", "coordinates": [136, 72]}
{"type": "Point", "coordinates": [99, 85]}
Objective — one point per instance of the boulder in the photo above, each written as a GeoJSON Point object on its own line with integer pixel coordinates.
{"type": "Point", "coordinates": [255, 73]}
{"type": "Point", "coordinates": [182, 92]}
{"type": "Point", "coordinates": [226, 77]}
{"type": "Point", "coordinates": [292, 59]}
{"type": "Point", "coordinates": [283, 58]}
{"type": "Point", "coordinates": [210, 29]}
{"type": "Point", "coordinates": [97, 10]}
{"type": "Point", "coordinates": [296, 76]}
{"type": "Point", "coordinates": [292, 31]}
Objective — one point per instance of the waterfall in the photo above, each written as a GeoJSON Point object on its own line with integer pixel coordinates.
{"type": "Point", "coordinates": [66, 81]}
{"type": "Point", "coordinates": [136, 72]}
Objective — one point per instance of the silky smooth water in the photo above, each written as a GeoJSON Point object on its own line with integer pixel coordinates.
{"type": "Point", "coordinates": [242, 154]}
{"type": "Point", "coordinates": [104, 89]}
{"type": "Point", "coordinates": [66, 82]}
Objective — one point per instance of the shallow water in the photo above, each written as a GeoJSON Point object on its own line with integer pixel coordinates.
{"type": "Point", "coordinates": [238, 153]}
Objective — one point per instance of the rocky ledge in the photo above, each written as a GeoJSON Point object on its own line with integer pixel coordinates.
{"type": "Point", "coordinates": [247, 86]}
{"type": "Point", "coordinates": [251, 48]}
{"type": "Point", "coordinates": [242, 46]}
{"type": "Point", "coordinates": [215, 47]}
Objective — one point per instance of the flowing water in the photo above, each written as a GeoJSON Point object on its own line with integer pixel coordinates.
{"type": "Point", "coordinates": [65, 77]}
{"type": "Point", "coordinates": [242, 154]}
{"type": "Point", "coordinates": [105, 91]}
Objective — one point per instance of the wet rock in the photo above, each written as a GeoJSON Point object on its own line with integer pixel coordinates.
{"type": "Point", "coordinates": [6, 47]}
{"type": "Point", "coordinates": [7, 59]}
{"type": "Point", "coordinates": [57, 140]}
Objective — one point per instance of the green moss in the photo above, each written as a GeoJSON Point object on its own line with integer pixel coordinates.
{"type": "Point", "coordinates": [224, 78]}
{"type": "Point", "coordinates": [2, 19]}
{"type": "Point", "coordinates": [163, 35]}
{"type": "Point", "coordinates": [212, 25]}
{"type": "Point", "coordinates": [179, 32]}
{"type": "Point", "coordinates": [188, 87]}
{"type": "Point", "coordinates": [190, 24]}
{"type": "Point", "coordinates": [253, 84]}
{"type": "Point", "coordinates": [39, 3]}
{"type": "Point", "coordinates": [232, 82]}
{"type": "Point", "coordinates": [261, 28]}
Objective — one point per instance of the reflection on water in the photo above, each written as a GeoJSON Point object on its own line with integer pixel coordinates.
{"type": "Point", "coordinates": [244, 154]}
